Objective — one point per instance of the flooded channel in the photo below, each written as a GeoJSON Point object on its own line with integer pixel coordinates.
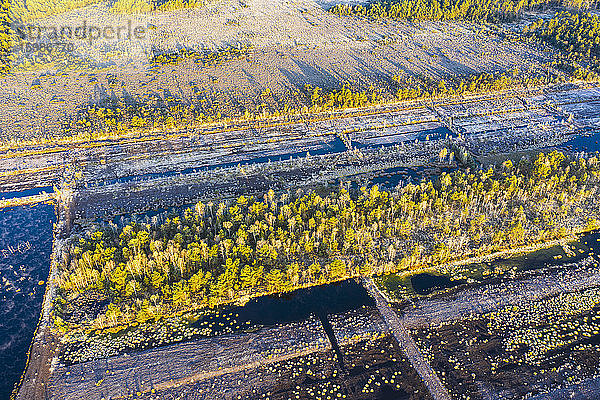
{"type": "Point", "coordinates": [438, 281]}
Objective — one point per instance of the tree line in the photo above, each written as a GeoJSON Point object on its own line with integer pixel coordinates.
{"type": "Point", "coordinates": [422, 87]}
{"type": "Point", "coordinates": [451, 10]}
{"type": "Point", "coordinates": [145, 6]}
{"type": "Point", "coordinates": [484, 82]}
{"type": "Point", "coordinates": [220, 252]}
{"type": "Point", "coordinates": [5, 36]}
{"type": "Point", "coordinates": [577, 36]}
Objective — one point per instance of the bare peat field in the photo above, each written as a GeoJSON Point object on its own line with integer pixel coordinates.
{"type": "Point", "coordinates": [289, 45]}
{"type": "Point", "coordinates": [354, 357]}
{"type": "Point", "coordinates": [385, 145]}
{"type": "Point", "coordinates": [533, 333]}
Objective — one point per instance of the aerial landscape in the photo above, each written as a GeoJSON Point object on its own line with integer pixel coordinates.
{"type": "Point", "coordinates": [299, 199]}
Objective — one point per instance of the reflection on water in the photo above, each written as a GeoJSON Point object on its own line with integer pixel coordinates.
{"type": "Point", "coordinates": [25, 248]}
{"type": "Point", "coordinates": [299, 305]}
{"type": "Point", "coordinates": [405, 287]}
{"type": "Point", "coordinates": [550, 257]}
{"type": "Point", "coordinates": [25, 193]}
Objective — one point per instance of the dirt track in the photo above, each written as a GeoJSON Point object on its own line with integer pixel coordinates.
{"type": "Point", "coordinates": [407, 344]}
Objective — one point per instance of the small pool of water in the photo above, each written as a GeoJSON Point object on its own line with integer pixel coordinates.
{"type": "Point", "coordinates": [588, 142]}
{"type": "Point", "coordinates": [424, 284]}
{"type": "Point", "coordinates": [404, 287]}
{"type": "Point", "coordinates": [550, 257]}
{"type": "Point", "coordinates": [299, 305]}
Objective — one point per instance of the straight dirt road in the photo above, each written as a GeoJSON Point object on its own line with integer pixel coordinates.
{"type": "Point", "coordinates": [407, 344]}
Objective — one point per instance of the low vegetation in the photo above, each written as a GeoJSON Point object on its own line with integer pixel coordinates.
{"type": "Point", "coordinates": [205, 58]}
{"type": "Point", "coordinates": [21, 11]}
{"type": "Point", "coordinates": [214, 254]}
{"type": "Point", "coordinates": [34, 9]}
{"type": "Point", "coordinates": [520, 349]}
{"type": "Point", "coordinates": [538, 326]}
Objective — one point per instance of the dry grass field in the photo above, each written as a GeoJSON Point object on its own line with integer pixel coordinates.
{"type": "Point", "coordinates": [290, 44]}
